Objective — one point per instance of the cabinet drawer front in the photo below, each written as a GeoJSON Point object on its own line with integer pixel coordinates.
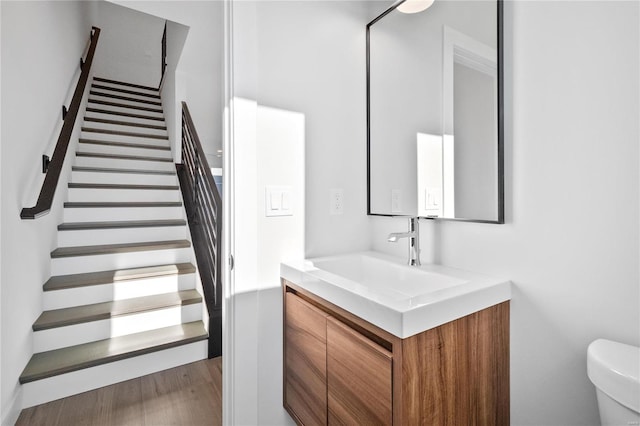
{"type": "Point", "coordinates": [305, 363]}
{"type": "Point", "coordinates": [359, 378]}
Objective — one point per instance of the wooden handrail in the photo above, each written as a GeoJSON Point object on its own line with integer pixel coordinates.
{"type": "Point", "coordinates": [163, 65]}
{"type": "Point", "coordinates": [203, 204]}
{"type": "Point", "coordinates": [45, 199]}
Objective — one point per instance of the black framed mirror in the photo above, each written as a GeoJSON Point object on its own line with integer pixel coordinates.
{"type": "Point", "coordinates": [435, 126]}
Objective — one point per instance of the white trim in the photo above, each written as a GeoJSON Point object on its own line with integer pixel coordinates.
{"type": "Point", "coordinates": [475, 61]}
{"type": "Point", "coordinates": [3, 416]}
{"type": "Point", "coordinates": [459, 47]}
{"type": "Point", "coordinates": [228, 246]}
{"type": "Point", "coordinates": [12, 412]}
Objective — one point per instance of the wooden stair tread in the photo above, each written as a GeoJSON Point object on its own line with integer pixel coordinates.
{"type": "Point", "coordinates": [72, 358]}
{"type": "Point", "coordinates": [124, 114]}
{"type": "Point", "coordinates": [77, 226]}
{"type": "Point", "coordinates": [120, 90]}
{"type": "Point", "coordinates": [100, 311]}
{"type": "Point", "coordinates": [124, 123]}
{"type": "Point", "coordinates": [124, 144]}
{"type": "Point", "coordinates": [122, 133]}
{"type": "Point", "coordinates": [121, 204]}
{"type": "Point", "coordinates": [122, 186]}
{"type": "Point", "coordinates": [123, 83]}
{"type": "Point", "coordinates": [127, 171]}
{"type": "Point", "coordinates": [61, 252]}
{"type": "Point", "coordinates": [123, 157]}
{"type": "Point", "coordinates": [119, 105]}
{"type": "Point", "coordinates": [61, 282]}
{"type": "Point", "coordinates": [124, 98]}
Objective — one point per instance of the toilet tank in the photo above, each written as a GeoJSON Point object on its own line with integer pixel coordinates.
{"type": "Point", "coordinates": [614, 368]}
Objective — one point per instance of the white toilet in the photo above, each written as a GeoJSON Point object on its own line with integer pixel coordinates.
{"type": "Point", "coordinates": [614, 368]}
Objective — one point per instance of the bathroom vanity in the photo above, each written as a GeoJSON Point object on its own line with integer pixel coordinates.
{"type": "Point", "coordinates": [354, 352]}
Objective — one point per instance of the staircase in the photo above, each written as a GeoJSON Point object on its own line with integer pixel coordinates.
{"type": "Point", "coordinates": [122, 301]}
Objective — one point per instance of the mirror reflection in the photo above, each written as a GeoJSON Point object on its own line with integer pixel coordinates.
{"type": "Point", "coordinates": [434, 102]}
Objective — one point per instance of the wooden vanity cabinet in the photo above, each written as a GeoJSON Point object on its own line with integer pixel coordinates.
{"type": "Point", "coordinates": [358, 378]}
{"type": "Point", "coordinates": [305, 361]}
{"type": "Point", "coordinates": [340, 369]}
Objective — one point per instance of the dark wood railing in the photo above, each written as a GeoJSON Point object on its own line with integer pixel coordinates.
{"type": "Point", "coordinates": [45, 199]}
{"type": "Point", "coordinates": [163, 65]}
{"type": "Point", "coordinates": [203, 204]}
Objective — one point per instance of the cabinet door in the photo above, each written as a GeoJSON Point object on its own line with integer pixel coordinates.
{"type": "Point", "coordinates": [305, 361]}
{"type": "Point", "coordinates": [358, 378]}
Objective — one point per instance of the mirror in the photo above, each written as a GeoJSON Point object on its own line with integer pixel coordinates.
{"type": "Point", "coordinates": [434, 112]}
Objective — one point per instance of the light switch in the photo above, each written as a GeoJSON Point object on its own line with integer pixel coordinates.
{"type": "Point", "coordinates": [275, 200]}
{"type": "Point", "coordinates": [433, 201]}
{"type": "Point", "coordinates": [278, 201]}
{"type": "Point", "coordinates": [286, 200]}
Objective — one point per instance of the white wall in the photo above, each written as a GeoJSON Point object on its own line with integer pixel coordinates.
{"type": "Point", "coordinates": [201, 63]}
{"type": "Point", "coordinates": [570, 242]}
{"type": "Point", "coordinates": [131, 45]}
{"type": "Point", "coordinates": [475, 160]}
{"type": "Point", "coordinates": [312, 60]}
{"type": "Point", "coordinates": [280, 136]}
{"type": "Point", "coordinates": [263, 137]}
{"type": "Point", "coordinates": [287, 57]}
{"type": "Point", "coordinates": [40, 63]}
{"type": "Point", "coordinates": [173, 87]}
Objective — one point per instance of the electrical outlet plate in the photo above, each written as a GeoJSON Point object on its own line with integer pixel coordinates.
{"type": "Point", "coordinates": [336, 201]}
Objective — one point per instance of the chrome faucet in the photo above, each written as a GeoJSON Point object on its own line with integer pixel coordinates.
{"type": "Point", "coordinates": [414, 240]}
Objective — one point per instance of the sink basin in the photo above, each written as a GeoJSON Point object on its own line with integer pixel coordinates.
{"type": "Point", "coordinates": [403, 300]}
{"type": "Point", "coordinates": [368, 273]}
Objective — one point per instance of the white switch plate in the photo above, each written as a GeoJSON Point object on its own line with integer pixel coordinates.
{"type": "Point", "coordinates": [278, 201]}
{"type": "Point", "coordinates": [336, 201]}
{"type": "Point", "coordinates": [433, 197]}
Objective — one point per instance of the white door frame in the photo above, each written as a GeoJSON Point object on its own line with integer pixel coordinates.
{"type": "Point", "coordinates": [228, 242]}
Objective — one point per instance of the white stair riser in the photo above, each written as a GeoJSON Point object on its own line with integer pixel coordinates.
{"type": "Point", "coordinates": [126, 150]}
{"type": "Point", "coordinates": [123, 178]}
{"type": "Point", "coordinates": [92, 195]}
{"type": "Point", "coordinates": [77, 296]}
{"type": "Point", "coordinates": [126, 110]}
{"type": "Point", "coordinates": [107, 262]}
{"type": "Point", "coordinates": [124, 127]}
{"type": "Point", "coordinates": [129, 103]}
{"type": "Point", "coordinates": [124, 139]}
{"type": "Point", "coordinates": [92, 237]}
{"type": "Point", "coordinates": [119, 117]}
{"type": "Point", "coordinates": [122, 86]}
{"type": "Point", "coordinates": [76, 382]}
{"type": "Point", "coordinates": [77, 334]}
{"type": "Point", "coordinates": [119, 163]}
{"type": "Point", "coordinates": [99, 214]}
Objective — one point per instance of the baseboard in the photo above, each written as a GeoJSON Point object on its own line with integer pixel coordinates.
{"type": "Point", "coordinates": [11, 414]}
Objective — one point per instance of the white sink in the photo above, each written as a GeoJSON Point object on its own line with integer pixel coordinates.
{"type": "Point", "coordinates": [403, 300]}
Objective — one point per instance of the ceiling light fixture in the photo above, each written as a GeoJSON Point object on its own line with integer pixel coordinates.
{"type": "Point", "coordinates": [415, 6]}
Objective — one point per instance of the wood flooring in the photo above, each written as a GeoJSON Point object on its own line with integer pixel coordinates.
{"type": "Point", "coordinates": [189, 395]}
